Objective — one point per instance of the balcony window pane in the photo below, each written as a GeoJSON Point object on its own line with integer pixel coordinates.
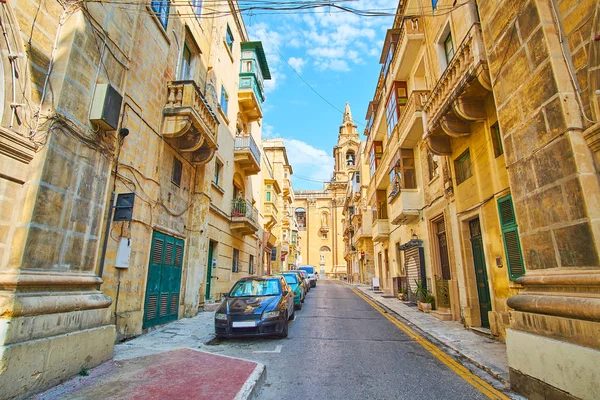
{"type": "Point", "coordinates": [496, 140]}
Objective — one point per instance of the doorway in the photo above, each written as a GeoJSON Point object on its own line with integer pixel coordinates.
{"type": "Point", "coordinates": [164, 280]}
{"type": "Point", "coordinates": [210, 265]}
{"type": "Point", "coordinates": [483, 289]}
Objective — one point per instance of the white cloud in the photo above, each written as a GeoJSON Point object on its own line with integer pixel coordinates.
{"type": "Point", "coordinates": [333, 65]}
{"type": "Point", "coordinates": [297, 63]}
{"type": "Point", "coordinates": [308, 161]}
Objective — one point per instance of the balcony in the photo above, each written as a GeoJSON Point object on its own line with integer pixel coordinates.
{"type": "Point", "coordinates": [250, 96]}
{"type": "Point", "coordinates": [247, 155]}
{"type": "Point", "coordinates": [189, 124]}
{"type": "Point", "coordinates": [405, 206]}
{"type": "Point", "coordinates": [244, 217]}
{"type": "Point", "coordinates": [458, 98]}
{"type": "Point", "coordinates": [287, 187]}
{"type": "Point", "coordinates": [380, 230]}
{"type": "Point", "coordinates": [271, 214]}
{"type": "Point", "coordinates": [361, 232]}
{"type": "Point", "coordinates": [285, 247]}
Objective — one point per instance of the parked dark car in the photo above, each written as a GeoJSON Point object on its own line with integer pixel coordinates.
{"type": "Point", "coordinates": [256, 306]}
{"type": "Point", "coordinates": [312, 274]}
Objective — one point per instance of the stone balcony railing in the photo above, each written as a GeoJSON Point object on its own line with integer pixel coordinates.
{"type": "Point", "coordinates": [457, 96]}
{"type": "Point", "coordinates": [189, 123]}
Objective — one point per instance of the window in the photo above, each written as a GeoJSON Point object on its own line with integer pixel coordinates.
{"type": "Point", "coordinates": [301, 218]}
{"type": "Point", "coordinates": [229, 38]}
{"type": "Point", "coordinates": [247, 66]}
{"type": "Point", "coordinates": [224, 100]}
{"type": "Point", "coordinates": [274, 255]}
{"type": "Point", "coordinates": [268, 196]}
{"type": "Point", "coordinates": [161, 9]}
{"type": "Point", "coordinates": [449, 48]}
{"type": "Point", "coordinates": [434, 4]}
{"type": "Point", "coordinates": [357, 177]}
{"type": "Point", "coordinates": [197, 5]}
{"type": "Point", "coordinates": [324, 235]}
{"type": "Point", "coordinates": [251, 265]}
{"type": "Point", "coordinates": [462, 167]}
{"type": "Point", "coordinates": [235, 261]}
{"type": "Point", "coordinates": [375, 156]}
{"type": "Point", "coordinates": [176, 173]}
{"type": "Point", "coordinates": [510, 234]}
{"type": "Point", "coordinates": [496, 140]}
{"type": "Point", "coordinates": [185, 73]}
{"type": "Point", "coordinates": [433, 164]}
{"type": "Point", "coordinates": [380, 209]}
{"type": "Point", "coordinates": [397, 100]}
{"type": "Point", "coordinates": [218, 172]}
{"type": "Point", "coordinates": [388, 58]}
{"type": "Point", "coordinates": [402, 173]}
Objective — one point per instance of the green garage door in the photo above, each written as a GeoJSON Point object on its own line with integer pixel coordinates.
{"type": "Point", "coordinates": [164, 280]}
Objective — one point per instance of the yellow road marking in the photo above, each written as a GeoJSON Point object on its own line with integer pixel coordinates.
{"type": "Point", "coordinates": [478, 383]}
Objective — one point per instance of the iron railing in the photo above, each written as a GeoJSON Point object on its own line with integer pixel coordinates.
{"type": "Point", "coordinates": [247, 142]}
{"type": "Point", "coordinates": [241, 208]}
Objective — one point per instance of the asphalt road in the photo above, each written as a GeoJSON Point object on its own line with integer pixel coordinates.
{"type": "Point", "coordinates": [339, 347]}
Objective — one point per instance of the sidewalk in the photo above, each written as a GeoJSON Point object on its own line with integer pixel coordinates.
{"type": "Point", "coordinates": [166, 363]}
{"type": "Point", "coordinates": [487, 354]}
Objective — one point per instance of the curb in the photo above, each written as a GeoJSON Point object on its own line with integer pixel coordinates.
{"type": "Point", "coordinates": [459, 355]}
{"type": "Point", "coordinates": [253, 384]}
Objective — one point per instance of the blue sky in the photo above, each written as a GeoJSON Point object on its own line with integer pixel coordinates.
{"type": "Point", "coordinates": [338, 55]}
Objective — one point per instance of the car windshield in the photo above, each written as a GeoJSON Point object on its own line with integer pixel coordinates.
{"type": "Point", "coordinates": [291, 279]}
{"type": "Point", "coordinates": [309, 270]}
{"type": "Point", "coordinates": [252, 287]}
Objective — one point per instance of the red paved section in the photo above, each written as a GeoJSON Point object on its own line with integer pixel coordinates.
{"type": "Point", "coordinates": [176, 374]}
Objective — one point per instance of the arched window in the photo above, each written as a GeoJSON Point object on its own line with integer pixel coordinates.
{"type": "Point", "coordinates": [324, 249]}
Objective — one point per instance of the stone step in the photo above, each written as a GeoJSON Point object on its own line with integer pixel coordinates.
{"type": "Point", "coordinates": [442, 315]}
{"type": "Point", "coordinates": [482, 331]}
{"type": "Point", "coordinates": [211, 306]}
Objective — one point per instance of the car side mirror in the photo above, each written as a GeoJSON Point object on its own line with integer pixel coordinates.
{"type": "Point", "coordinates": [286, 292]}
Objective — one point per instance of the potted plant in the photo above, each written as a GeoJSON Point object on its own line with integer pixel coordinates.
{"type": "Point", "coordinates": [430, 300]}
{"type": "Point", "coordinates": [422, 294]}
{"type": "Point", "coordinates": [403, 295]}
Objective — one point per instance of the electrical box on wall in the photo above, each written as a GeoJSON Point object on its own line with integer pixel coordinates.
{"type": "Point", "coordinates": [123, 253]}
{"type": "Point", "coordinates": [106, 107]}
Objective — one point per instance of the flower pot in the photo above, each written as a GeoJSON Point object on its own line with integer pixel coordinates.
{"type": "Point", "coordinates": [425, 307]}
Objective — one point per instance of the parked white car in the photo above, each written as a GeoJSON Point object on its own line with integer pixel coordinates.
{"type": "Point", "coordinates": [312, 274]}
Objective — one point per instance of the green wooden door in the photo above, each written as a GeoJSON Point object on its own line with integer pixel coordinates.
{"type": "Point", "coordinates": [164, 280]}
{"type": "Point", "coordinates": [211, 246]}
{"type": "Point", "coordinates": [483, 289]}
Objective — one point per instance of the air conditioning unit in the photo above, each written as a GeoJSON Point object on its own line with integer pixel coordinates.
{"type": "Point", "coordinates": [106, 107]}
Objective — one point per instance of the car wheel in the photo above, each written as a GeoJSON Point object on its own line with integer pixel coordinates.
{"type": "Point", "coordinates": [299, 306]}
{"type": "Point", "coordinates": [284, 330]}
{"type": "Point", "coordinates": [293, 313]}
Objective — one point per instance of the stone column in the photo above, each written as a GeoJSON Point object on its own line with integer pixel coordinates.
{"type": "Point", "coordinates": [540, 89]}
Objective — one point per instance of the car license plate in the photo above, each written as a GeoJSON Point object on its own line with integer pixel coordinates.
{"type": "Point", "coordinates": [243, 324]}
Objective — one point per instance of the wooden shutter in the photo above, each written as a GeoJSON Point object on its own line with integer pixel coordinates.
{"type": "Point", "coordinates": [510, 234]}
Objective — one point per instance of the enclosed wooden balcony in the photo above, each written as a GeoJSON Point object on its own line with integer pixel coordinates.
{"type": "Point", "coordinates": [458, 98]}
{"type": "Point", "coordinates": [189, 124]}
{"type": "Point", "coordinates": [247, 155]}
{"type": "Point", "coordinates": [244, 217]}
{"type": "Point", "coordinates": [271, 215]}
{"type": "Point", "coordinates": [250, 97]}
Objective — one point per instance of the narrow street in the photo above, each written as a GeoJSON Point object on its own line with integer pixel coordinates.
{"type": "Point", "coordinates": [340, 347]}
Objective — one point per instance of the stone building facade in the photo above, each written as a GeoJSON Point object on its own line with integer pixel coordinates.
{"type": "Point", "coordinates": [320, 213]}
{"type": "Point", "coordinates": [497, 183]}
{"type": "Point", "coordinates": [279, 201]}
{"type": "Point", "coordinates": [112, 100]}
{"type": "Point", "coordinates": [544, 69]}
